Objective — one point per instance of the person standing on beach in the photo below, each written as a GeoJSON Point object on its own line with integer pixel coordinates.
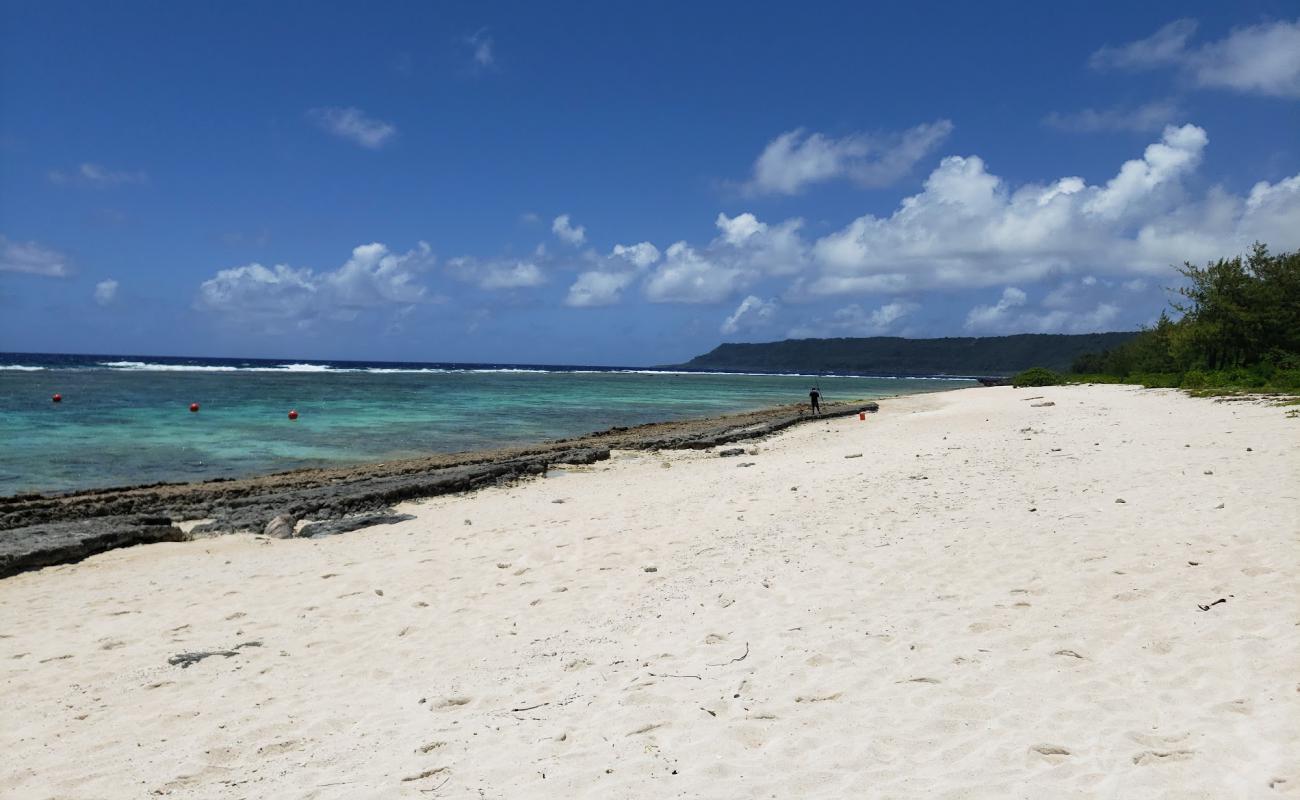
{"type": "Point", "coordinates": [815, 397]}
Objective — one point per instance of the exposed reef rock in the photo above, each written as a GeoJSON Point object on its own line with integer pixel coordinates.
{"type": "Point", "coordinates": [44, 530]}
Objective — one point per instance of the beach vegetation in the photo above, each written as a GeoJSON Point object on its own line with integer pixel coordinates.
{"type": "Point", "coordinates": [1037, 376]}
{"type": "Point", "coordinates": [1236, 330]}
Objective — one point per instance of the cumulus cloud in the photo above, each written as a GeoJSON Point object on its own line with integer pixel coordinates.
{"type": "Point", "coordinates": [968, 228]}
{"type": "Point", "coordinates": [97, 175]}
{"type": "Point", "coordinates": [604, 285]}
{"type": "Point", "coordinates": [33, 259]}
{"type": "Point", "coordinates": [753, 311]}
{"type": "Point", "coordinates": [797, 159]}
{"type": "Point", "coordinates": [1010, 315]}
{"type": "Point", "coordinates": [688, 276]}
{"type": "Point", "coordinates": [1147, 117]}
{"type": "Point", "coordinates": [106, 292]}
{"type": "Point", "coordinates": [497, 274]}
{"type": "Point", "coordinates": [854, 320]}
{"type": "Point", "coordinates": [567, 232]}
{"type": "Point", "coordinates": [354, 125]}
{"type": "Point", "coordinates": [597, 288]}
{"type": "Point", "coordinates": [373, 277]}
{"type": "Point", "coordinates": [1257, 59]}
{"type": "Point", "coordinates": [640, 255]}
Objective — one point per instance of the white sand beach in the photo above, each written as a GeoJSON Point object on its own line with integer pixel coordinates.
{"type": "Point", "coordinates": [984, 593]}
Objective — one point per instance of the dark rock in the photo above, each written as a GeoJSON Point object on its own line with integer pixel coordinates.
{"type": "Point", "coordinates": [731, 451]}
{"type": "Point", "coordinates": [36, 546]}
{"type": "Point", "coordinates": [348, 524]}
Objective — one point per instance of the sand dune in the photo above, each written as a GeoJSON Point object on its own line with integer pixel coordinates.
{"type": "Point", "coordinates": [999, 598]}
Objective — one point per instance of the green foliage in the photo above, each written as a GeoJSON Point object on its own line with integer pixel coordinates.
{"type": "Point", "coordinates": [1037, 376]}
{"type": "Point", "coordinates": [1239, 330]}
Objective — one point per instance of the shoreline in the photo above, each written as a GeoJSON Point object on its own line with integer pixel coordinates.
{"type": "Point", "coordinates": [1075, 592]}
{"type": "Point", "coordinates": [40, 530]}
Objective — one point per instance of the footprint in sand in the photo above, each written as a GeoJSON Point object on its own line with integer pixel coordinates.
{"type": "Point", "coordinates": [1149, 757]}
{"type": "Point", "coordinates": [1051, 752]}
{"type": "Point", "coordinates": [452, 702]}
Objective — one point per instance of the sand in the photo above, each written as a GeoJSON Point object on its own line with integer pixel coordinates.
{"type": "Point", "coordinates": [965, 610]}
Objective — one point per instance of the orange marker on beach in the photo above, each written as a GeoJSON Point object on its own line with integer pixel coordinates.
{"type": "Point", "coordinates": [862, 415]}
{"type": "Point", "coordinates": [293, 414]}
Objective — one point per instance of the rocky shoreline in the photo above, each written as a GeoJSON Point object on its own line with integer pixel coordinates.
{"type": "Point", "coordinates": [44, 530]}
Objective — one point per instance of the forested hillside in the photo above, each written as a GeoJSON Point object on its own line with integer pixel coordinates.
{"type": "Point", "coordinates": [989, 355]}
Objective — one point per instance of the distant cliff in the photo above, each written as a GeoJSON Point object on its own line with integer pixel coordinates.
{"type": "Point", "coordinates": [987, 355]}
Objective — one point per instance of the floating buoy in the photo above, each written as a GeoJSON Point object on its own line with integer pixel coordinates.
{"type": "Point", "coordinates": [862, 415]}
{"type": "Point", "coordinates": [58, 398]}
{"type": "Point", "coordinates": [293, 415]}
{"type": "Point", "coordinates": [194, 408]}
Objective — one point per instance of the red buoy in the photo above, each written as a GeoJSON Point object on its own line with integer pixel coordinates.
{"type": "Point", "coordinates": [293, 415]}
{"type": "Point", "coordinates": [862, 415]}
{"type": "Point", "coordinates": [58, 398]}
{"type": "Point", "coordinates": [194, 407]}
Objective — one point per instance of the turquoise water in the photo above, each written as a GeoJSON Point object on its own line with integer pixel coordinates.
{"type": "Point", "coordinates": [129, 423]}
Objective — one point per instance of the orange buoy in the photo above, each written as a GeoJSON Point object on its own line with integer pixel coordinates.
{"type": "Point", "coordinates": [58, 398]}
{"type": "Point", "coordinates": [293, 414]}
{"type": "Point", "coordinates": [194, 407]}
{"type": "Point", "coordinates": [862, 415]}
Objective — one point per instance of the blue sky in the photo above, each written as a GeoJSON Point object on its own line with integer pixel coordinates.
{"type": "Point", "coordinates": [597, 183]}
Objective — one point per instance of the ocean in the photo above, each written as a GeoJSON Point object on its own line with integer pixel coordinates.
{"type": "Point", "coordinates": [126, 420]}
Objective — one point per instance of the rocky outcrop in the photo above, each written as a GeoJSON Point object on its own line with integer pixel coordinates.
{"type": "Point", "coordinates": [45, 545]}
{"type": "Point", "coordinates": [43, 530]}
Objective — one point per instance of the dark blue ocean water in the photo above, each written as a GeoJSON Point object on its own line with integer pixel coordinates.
{"type": "Point", "coordinates": [126, 419]}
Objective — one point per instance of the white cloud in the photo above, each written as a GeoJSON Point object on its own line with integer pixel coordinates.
{"type": "Point", "coordinates": [33, 259]}
{"type": "Point", "coordinates": [566, 231]}
{"type": "Point", "coordinates": [854, 320]}
{"type": "Point", "coordinates": [1257, 59]}
{"type": "Point", "coordinates": [686, 276]}
{"type": "Point", "coordinates": [481, 45]}
{"type": "Point", "coordinates": [968, 228]}
{"type": "Point", "coordinates": [373, 277]}
{"type": "Point", "coordinates": [498, 274]}
{"type": "Point", "coordinates": [354, 125]}
{"type": "Point", "coordinates": [96, 175]}
{"type": "Point", "coordinates": [1009, 315]}
{"type": "Point", "coordinates": [1162, 48]}
{"type": "Point", "coordinates": [1163, 163]}
{"type": "Point", "coordinates": [604, 285]}
{"type": "Point", "coordinates": [596, 288]}
{"type": "Point", "coordinates": [641, 255]}
{"type": "Point", "coordinates": [796, 159]}
{"type": "Point", "coordinates": [752, 311]}
{"type": "Point", "coordinates": [106, 292]}
{"type": "Point", "coordinates": [1152, 116]}
{"type": "Point", "coordinates": [981, 317]}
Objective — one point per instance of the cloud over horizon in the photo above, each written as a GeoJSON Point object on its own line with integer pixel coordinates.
{"type": "Point", "coordinates": [32, 258]}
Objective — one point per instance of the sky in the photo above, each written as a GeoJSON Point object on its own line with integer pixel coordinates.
{"type": "Point", "coordinates": [583, 183]}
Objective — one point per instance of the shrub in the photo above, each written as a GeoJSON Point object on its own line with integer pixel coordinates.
{"type": "Point", "coordinates": [1037, 376]}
